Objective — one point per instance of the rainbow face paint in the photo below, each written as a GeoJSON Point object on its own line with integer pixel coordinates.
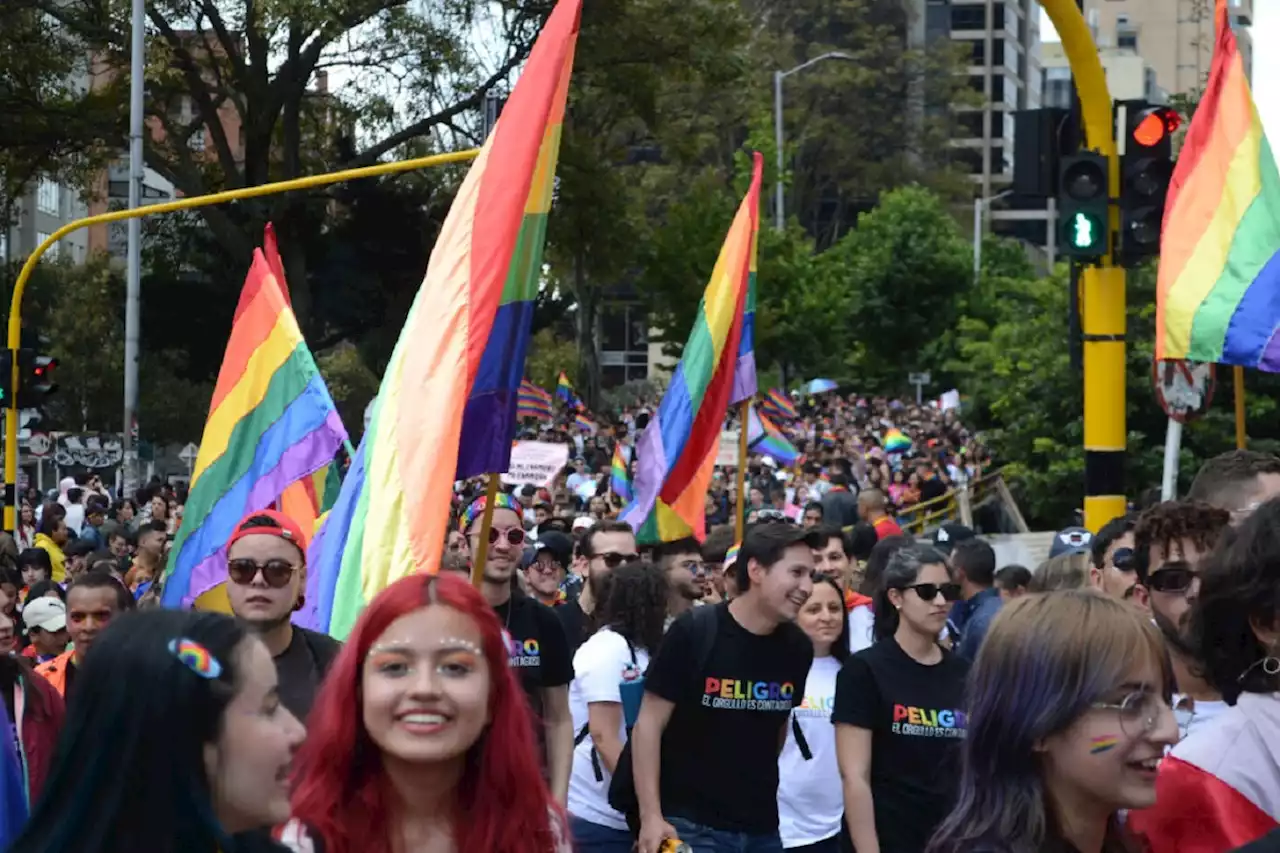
{"type": "Point", "coordinates": [1099, 745]}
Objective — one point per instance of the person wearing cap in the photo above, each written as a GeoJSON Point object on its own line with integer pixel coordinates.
{"type": "Point", "coordinates": [46, 623]}
{"type": "Point", "coordinates": [1071, 540]}
{"type": "Point", "coordinates": [552, 557]}
{"type": "Point", "coordinates": [538, 650]}
{"type": "Point", "coordinates": [266, 577]}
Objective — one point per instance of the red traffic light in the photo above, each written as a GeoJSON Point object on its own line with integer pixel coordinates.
{"type": "Point", "coordinates": [1155, 125]}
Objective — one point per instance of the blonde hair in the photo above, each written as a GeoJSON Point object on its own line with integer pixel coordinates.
{"type": "Point", "coordinates": [1046, 660]}
{"type": "Point", "coordinates": [1065, 571]}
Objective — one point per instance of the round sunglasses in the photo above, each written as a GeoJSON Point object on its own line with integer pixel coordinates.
{"type": "Point", "coordinates": [276, 573]}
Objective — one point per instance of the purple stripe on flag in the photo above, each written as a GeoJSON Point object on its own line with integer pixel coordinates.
{"type": "Point", "coordinates": [651, 469]}
{"type": "Point", "coordinates": [1270, 361]}
{"type": "Point", "coordinates": [744, 378]}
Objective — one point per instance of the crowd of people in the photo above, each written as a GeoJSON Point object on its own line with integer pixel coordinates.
{"type": "Point", "coordinates": [825, 683]}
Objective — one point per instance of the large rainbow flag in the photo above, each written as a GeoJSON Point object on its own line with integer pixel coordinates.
{"type": "Point", "coordinates": [271, 424]}
{"type": "Point", "coordinates": [392, 513]}
{"type": "Point", "coordinates": [676, 454]}
{"type": "Point", "coordinates": [1218, 297]}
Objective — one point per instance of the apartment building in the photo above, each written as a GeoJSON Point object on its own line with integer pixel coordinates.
{"type": "Point", "coordinates": [1130, 77]}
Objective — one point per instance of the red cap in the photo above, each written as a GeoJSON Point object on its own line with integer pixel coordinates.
{"type": "Point", "coordinates": [282, 525]}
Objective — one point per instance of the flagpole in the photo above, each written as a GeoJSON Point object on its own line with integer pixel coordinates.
{"type": "Point", "coordinates": [1242, 439]}
{"type": "Point", "coordinates": [486, 522]}
{"type": "Point", "coordinates": [740, 517]}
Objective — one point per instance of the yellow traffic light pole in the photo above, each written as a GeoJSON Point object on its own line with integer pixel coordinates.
{"type": "Point", "coordinates": [20, 286]}
{"type": "Point", "coordinates": [1102, 314]}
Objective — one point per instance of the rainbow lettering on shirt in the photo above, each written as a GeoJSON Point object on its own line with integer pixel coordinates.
{"type": "Point", "coordinates": [736, 694]}
{"type": "Point", "coordinates": [522, 653]}
{"type": "Point", "coordinates": [928, 722]}
{"type": "Point", "coordinates": [816, 706]}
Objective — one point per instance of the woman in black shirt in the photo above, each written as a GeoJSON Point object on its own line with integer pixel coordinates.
{"type": "Point", "coordinates": [898, 711]}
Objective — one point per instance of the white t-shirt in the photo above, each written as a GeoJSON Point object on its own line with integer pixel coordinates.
{"type": "Point", "coordinates": [810, 799]}
{"type": "Point", "coordinates": [862, 623]}
{"type": "Point", "coordinates": [602, 663]}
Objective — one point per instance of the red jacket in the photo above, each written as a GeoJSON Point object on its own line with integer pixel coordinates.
{"type": "Point", "coordinates": [40, 711]}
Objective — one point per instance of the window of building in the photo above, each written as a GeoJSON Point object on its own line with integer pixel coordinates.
{"type": "Point", "coordinates": [969, 125]}
{"type": "Point", "coordinates": [968, 17]}
{"type": "Point", "coordinates": [48, 196]}
{"type": "Point", "coordinates": [52, 254]}
{"type": "Point", "coordinates": [1122, 21]}
{"type": "Point", "coordinates": [1127, 41]}
{"type": "Point", "coordinates": [969, 160]}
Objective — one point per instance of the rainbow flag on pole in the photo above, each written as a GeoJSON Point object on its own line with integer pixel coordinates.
{"type": "Point", "coordinates": [778, 405]}
{"type": "Point", "coordinates": [565, 392]}
{"type": "Point", "coordinates": [1218, 297]}
{"type": "Point", "coordinates": [392, 513]}
{"type": "Point", "coordinates": [533, 402]}
{"type": "Point", "coordinates": [271, 424]}
{"type": "Point", "coordinates": [619, 481]}
{"type": "Point", "coordinates": [676, 455]}
{"type": "Point", "coordinates": [744, 375]}
{"type": "Point", "coordinates": [764, 437]}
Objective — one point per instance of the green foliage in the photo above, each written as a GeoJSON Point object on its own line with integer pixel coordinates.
{"type": "Point", "coordinates": [548, 355]}
{"type": "Point", "coordinates": [351, 384]}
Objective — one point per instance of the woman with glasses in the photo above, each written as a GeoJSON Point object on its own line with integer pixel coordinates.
{"type": "Point", "coordinates": [810, 808]}
{"type": "Point", "coordinates": [1068, 720]}
{"type": "Point", "coordinates": [897, 714]}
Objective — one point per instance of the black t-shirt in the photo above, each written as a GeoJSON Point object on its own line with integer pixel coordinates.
{"type": "Point", "coordinates": [536, 646]}
{"type": "Point", "coordinates": [915, 715]}
{"type": "Point", "coordinates": [301, 667]}
{"type": "Point", "coordinates": [574, 621]}
{"type": "Point", "coordinates": [720, 747]}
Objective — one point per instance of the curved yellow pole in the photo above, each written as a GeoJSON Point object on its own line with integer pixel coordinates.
{"type": "Point", "coordinates": [20, 286]}
{"type": "Point", "coordinates": [1102, 310]}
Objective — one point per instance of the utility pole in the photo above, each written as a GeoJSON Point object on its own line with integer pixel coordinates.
{"type": "Point", "coordinates": [132, 313]}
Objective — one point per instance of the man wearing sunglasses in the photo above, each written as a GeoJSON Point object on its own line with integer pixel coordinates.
{"type": "Point", "coordinates": [603, 547]}
{"type": "Point", "coordinates": [1171, 540]}
{"type": "Point", "coordinates": [1111, 551]}
{"type": "Point", "coordinates": [266, 576]}
{"type": "Point", "coordinates": [538, 652]}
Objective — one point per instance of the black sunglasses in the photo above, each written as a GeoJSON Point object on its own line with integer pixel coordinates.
{"type": "Point", "coordinates": [276, 573]}
{"type": "Point", "coordinates": [929, 591]}
{"type": "Point", "coordinates": [613, 559]}
{"type": "Point", "coordinates": [1123, 559]}
{"type": "Point", "coordinates": [1172, 577]}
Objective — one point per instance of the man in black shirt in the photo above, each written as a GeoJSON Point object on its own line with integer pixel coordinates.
{"type": "Point", "coordinates": [605, 546]}
{"type": "Point", "coordinates": [538, 650]}
{"type": "Point", "coordinates": [717, 697]}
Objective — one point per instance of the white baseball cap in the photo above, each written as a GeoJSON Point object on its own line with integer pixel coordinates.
{"type": "Point", "coordinates": [45, 613]}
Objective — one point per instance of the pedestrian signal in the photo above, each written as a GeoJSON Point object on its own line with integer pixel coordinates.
{"type": "Point", "coordinates": [1082, 205]}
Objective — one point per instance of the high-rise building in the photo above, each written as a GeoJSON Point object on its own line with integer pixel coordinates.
{"type": "Point", "coordinates": [1129, 76]}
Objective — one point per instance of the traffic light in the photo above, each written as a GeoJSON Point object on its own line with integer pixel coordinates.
{"type": "Point", "coordinates": [1082, 205]}
{"type": "Point", "coordinates": [1146, 167]}
{"type": "Point", "coordinates": [35, 378]}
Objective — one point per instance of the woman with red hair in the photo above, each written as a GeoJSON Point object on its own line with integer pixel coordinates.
{"type": "Point", "coordinates": [421, 738]}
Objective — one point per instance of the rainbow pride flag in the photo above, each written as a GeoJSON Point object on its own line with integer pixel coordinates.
{"type": "Point", "coordinates": [676, 454]}
{"type": "Point", "coordinates": [764, 437]}
{"type": "Point", "coordinates": [777, 404]}
{"type": "Point", "coordinates": [1218, 296]}
{"type": "Point", "coordinates": [565, 392]}
{"type": "Point", "coordinates": [619, 481]}
{"type": "Point", "coordinates": [584, 423]}
{"type": "Point", "coordinates": [744, 374]}
{"type": "Point", "coordinates": [393, 511]}
{"type": "Point", "coordinates": [895, 441]}
{"type": "Point", "coordinates": [533, 402]}
{"type": "Point", "coordinates": [271, 423]}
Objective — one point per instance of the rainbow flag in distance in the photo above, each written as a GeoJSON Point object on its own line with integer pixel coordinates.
{"type": "Point", "coordinates": [271, 423]}
{"type": "Point", "coordinates": [619, 482]}
{"type": "Point", "coordinates": [676, 454]}
{"type": "Point", "coordinates": [1218, 296]}
{"type": "Point", "coordinates": [393, 511]}
{"type": "Point", "coordinates": [895, 441]}
{"type": "Point", "coordinates": [533, 402]}
{"type": "Point", "coordinates": [584, 423]}
{"type": "Point", "coordinates": [565, 392]}
{"type": "Point", "coordinates": [764, 437]}
{"type": "Point", "coordinates": [777, 404]}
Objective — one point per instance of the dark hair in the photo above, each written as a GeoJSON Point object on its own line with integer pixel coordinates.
{"type": "Point", "coordinates": [50, 518]}
{"type": "Point", "coordinates": [839, 648]}
{"type": "Point", "coordinates": [815, 505]}
{"type": "Point", "coordinates": [1114, 529]}
{"type": "Point", "coordinates": [74, 495]}
{"type": "Point", "coordinates": [862, 540]}
{"type": "Point", "coordinates": [35, 558]}
{"type": "Point", "coordinates": [766, 543]}
{"type": "Point", "coordinates": [824, 533]}
{"type": "Point", "coordinates": [1195, 522]}
{"type": "Point", "coordinates": [78, 548]}
{"type": "Point", "coordinates": [1239, 585]}
{"type": "Point", "coordinates": [102, 580]}
{"type": "Point", "coordinates": [718, 542]}
{"type": "Point", "coordinates": [663, 550]}
{"type": "Point", "coordinates": [606, 526]}
{"type": "Point", "coordinates": [900, 572]}
{"type": "Point", "coordinates": [1218, 480]}
{"type": "Point", "coordinates": [139, 714]}
{"type": "Point", "coordinates": [1013, 576]}
{"type": "Point", "coordinates": [41, 588]}
{"type": "Point", "coordinates": [95, 503]}
{"type": "Point", "coordinates": [633, 603]}
{"type": "Point", "coordinates": [878, 559]}
{"type": "Point", "coordinates": [976, 559]}
{"type": "Point", "coordinates": [153, 526]}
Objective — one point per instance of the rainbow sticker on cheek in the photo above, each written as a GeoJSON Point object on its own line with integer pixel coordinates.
{"type": "Point", "coordinates": [1103, 744]}
{"type": "Point", "coordinates": [196, 658]}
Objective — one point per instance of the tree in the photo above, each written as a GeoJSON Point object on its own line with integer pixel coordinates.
{"type": "Point", "coordinates": [351, 384]}
{"type": "Point", "coordinates": [548, 355]}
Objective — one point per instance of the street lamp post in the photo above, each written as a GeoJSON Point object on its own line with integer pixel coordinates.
{"type": "Point", "coordinates": [779, 215]}
{"type": "Point", "coordinates": [980, 207]}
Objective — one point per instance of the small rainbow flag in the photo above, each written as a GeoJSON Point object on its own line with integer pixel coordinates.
{"type": "Point", "coordinates": [895, 441]}
{"type": "Point", "coordinates": [584, 423]}
{"type": "Point", "coordinates": [393, 511]}
{"type": "Point", "coordinates": [271, 423]}
{"type": "Point", "coordinates": [619, 481]}
{"type": "Point", "coordinates": [1218, 296]}
{"type": "Point", "coordinates": [777, 404]}
{"type": "Point", "coordinates": [533, 402]}
{"type": "Point", "coordinates": [765, 438]}
{"type": "Point", "coordinates": [676, 456]}
{"type": "Point", "coordinates": [566, 394]}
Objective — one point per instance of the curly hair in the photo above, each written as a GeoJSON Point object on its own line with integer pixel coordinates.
{"type": "Point", "coordinates": [633, 602]}
{"type": "Point", "coordinates": [1192, 522]}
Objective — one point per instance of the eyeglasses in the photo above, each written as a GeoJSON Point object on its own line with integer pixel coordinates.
{"type": "Point", "coordinates": [1172, 577]}
{"type": "Point", "coordinates": [1123, 559]}
{"type": "Point", "coordinates": [775, 515]}
{"type": "Point", "coordinates": [1139, 711]}
{"type": "Point", "coordinates": [930, 591]}
{"type": "Point", "coordinates": [276, 573]}
{"type": "Point", "coordinates": [613, 559]}
{"type": "Point", "coordinates": [514, 535]}
{"type": "Point", "coordinates": [549, 566]}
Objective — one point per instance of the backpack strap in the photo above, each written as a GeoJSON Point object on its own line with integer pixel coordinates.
{"type": "Point", "coordinates": [801, 742]}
